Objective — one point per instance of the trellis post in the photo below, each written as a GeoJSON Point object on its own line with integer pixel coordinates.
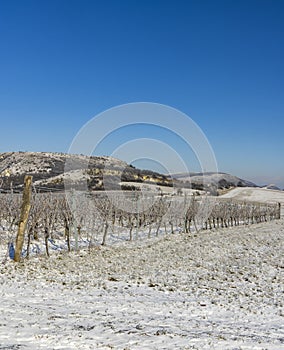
{"type": "Point", "coordinates": [25, 210]}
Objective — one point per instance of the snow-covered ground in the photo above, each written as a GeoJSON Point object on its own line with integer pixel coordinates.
{"type": "Point", "coordinates": [164, 189]}
{"type": "Point", "coordinates": [257, 194]}
{"type": "Point", "coordinates": [219, 289]}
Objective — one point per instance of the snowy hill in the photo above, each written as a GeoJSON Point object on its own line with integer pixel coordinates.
{"type": "Point", "coordinates": [272, 187]}
{"type": "Point", "coordinates": [257, 195]}
{"type": "Point", "coordinates": [217, 180]}
{"type": "Point", "coordinates": [49, 170]}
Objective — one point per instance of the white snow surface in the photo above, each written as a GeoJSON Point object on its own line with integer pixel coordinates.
{"type": "Point", "coordinates": [219, 289]}
{"type": "Point", "coordinates": [165, 189]}
{"type": "Point", "coordinates": [263, 195]}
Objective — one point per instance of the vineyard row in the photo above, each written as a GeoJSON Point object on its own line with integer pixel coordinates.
{"type": "Point", "coordinates": [94, 218]}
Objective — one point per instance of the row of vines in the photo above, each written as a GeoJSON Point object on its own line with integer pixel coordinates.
{"type": "Point", "coordinates": [82, 219]}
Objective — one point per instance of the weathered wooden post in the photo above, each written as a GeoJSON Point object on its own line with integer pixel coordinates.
{"type": "Point", "coordinates": [279, 211]}
{"type": "Point", "coordinates": [25, 210]}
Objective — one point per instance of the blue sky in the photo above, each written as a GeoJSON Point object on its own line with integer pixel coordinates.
{"type": "Point", "coordinates": [220, 62]}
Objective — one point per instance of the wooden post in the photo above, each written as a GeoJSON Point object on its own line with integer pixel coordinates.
{"type": "Point", "coordinates": [25, 210]}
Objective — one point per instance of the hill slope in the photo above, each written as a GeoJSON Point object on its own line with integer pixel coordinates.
{"type": "Point", "coordinates": [49, 170]}
{"type": "Point", "coordinates": [217, 180]}
{"type": "Point", "coordinates": [257, 195]}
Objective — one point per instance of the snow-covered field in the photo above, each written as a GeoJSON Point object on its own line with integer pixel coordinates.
{"type": "Point", "coordinates": [219, 289]}
{"type": "Point", "coordinates": [257, 194]}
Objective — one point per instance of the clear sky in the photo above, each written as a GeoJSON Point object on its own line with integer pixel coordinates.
{"type": "Point", "coordinates": [221, 62]}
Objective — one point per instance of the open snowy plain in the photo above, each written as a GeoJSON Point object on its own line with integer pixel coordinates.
{"type": "Point", "coordinates": [218, 289]}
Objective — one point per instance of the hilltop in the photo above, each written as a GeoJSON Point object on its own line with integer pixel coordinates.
{"type": "Point", "coordinates": [220, 180]}
{"type": "Point", "coordinates": [51, 170]}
